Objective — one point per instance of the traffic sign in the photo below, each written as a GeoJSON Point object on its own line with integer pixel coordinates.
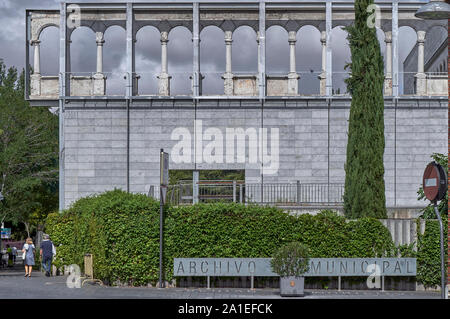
{"type": "Point", "coordinates": [434, 182]}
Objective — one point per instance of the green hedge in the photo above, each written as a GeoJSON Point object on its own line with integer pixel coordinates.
{"type": "Point", "coordinates": [429, 253]}
{"type": "Point", "coordinates": [122, 231]}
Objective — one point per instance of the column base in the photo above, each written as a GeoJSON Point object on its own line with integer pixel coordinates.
{"type": "Point", "coordinates": [293, 83]}
{"type": "Point", "coordinates": [323, 83]}
{"type": "Point", "coordinates": [388, 86]}
{"type": "Point", "coordinates": [99, 84]}
{"type": "Point", "coordinates": [421, 84]}
{"type": "Point", "coordinates": [164, 84]}
{"type": "Point", "coordinates": [35, 84]}
{"type": "Point", "coordinates": [228, 83]}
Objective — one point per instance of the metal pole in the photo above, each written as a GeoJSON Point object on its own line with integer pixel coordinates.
{"type": "Point", "coordinates": [329, 57]}
{"type": "Point", "coordinates": [395, 49]}
{"type": "Point", "coordinates": [161, 212]}
{"type": "Point", "coordinates": [441, 228]}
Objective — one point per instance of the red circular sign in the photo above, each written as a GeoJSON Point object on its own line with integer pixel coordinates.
{"type": "Point", "coordinates": [431, 182]}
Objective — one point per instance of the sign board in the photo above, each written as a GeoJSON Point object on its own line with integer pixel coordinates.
{"type": "Point", "coordinates": [5, 233]}
{"type": "Point", "coordinates": [434, 182]}
{"type": "Point", "coordinates": [318, 267]}
{"type": "Point", "coordinates": [164, 168]}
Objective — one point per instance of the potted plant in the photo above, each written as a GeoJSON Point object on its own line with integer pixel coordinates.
{"type": "Point", "coordinates": [291, 262]}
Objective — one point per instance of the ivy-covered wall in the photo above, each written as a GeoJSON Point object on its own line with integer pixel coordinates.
{"type": "Point", "coordinates": [122, 231]}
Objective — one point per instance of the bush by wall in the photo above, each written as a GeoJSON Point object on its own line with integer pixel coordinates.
{"type": "Point", "coordinates": [122, 231]}
{"type": "Point", "coordinates": [429, 253]}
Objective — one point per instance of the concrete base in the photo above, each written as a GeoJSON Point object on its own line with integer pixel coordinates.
{"type": "Point", "coordinates": [292, 286]}
{"type": "Point", "coordinates": [164, 84]}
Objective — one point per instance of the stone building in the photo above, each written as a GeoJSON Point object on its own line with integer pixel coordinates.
{"type": "Point", "coordinates": [113, 141]}
{"type": "Point", "coordinates": [433, 64]}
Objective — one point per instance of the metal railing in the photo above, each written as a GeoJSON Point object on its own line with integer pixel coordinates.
{"type": "Point", "coordinates": [292, 194]}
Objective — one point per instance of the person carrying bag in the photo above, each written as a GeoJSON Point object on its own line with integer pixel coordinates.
{"type": "Point", "coordinates": [28, 256]}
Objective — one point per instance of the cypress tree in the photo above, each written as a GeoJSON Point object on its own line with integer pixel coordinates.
{"type": "Point", "coordinates": [364, 194]}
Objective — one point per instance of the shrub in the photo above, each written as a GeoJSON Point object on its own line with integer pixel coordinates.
{"type": "Point", "coordinates": [291, 260]}
{"type": "Point", "coordinates": [429, 254]}
{"type": "Point", "coordinates": [121, 230]}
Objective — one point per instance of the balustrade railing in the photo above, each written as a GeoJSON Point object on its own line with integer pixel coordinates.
{"type": "Point", "coordinates": [291, 194]}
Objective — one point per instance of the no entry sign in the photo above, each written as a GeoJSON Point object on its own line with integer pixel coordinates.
{"type": "Point", "coordinates": [434, 182]}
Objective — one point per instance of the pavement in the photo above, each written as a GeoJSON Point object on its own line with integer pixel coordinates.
{"type": "Point", "coordinates": [15, 286]}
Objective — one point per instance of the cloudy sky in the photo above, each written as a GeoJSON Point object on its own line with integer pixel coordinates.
{"type": "Point", "coordinates": [148, 55]}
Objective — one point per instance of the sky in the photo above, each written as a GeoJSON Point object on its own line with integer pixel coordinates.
{"type": "Point", "coordinates": [148, 52]}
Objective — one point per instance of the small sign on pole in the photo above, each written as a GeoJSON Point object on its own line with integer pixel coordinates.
{"type": "Point", "coordinates": [435, 187]}
{"type": "Point", "coordinates": [164, 182]}
{"type": "Point", "coordinates": [5, 233]}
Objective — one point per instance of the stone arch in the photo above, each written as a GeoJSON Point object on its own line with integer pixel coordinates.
{"type": "Point", "coordinates": [340, 57]}
{"type": "Point", "coordinates": [148, 59]}
{"type": "Point", "coordinates": [245, 50]}
{"type": "Point", "coordinates": [112, 25]}
{"type": "Point", "coordinates": [286, 25]}
{"type": "Point", "coordinates": [277, 50]}
{"type": "Point", "coordinates": [82, 51]}
{"type": "Point", "coordinates": [49, 50]}
{"type": "Point", "coordinates": [39, 31]}
{"type": "Point", "coordinates": [212, 59]}
{"type": "Point", "coordinates": [179, 57]}
{"type": "Point", "coordinates": [436, 52]}
{"type": "Point", "coordinates": [309, 59]}
{"type": "Point", "coordinates": [407, 59]}
{"type": "Point", "coordinates": [114, 60]}
{"type": "Point", "coordinates": [41, 21]}
{"type": "Point", "coordinates": [415, 24]}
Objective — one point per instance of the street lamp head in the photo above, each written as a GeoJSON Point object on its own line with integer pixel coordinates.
{"type": "Point", "coordinates": [434, 10]}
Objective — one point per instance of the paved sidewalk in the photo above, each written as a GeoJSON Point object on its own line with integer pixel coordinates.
{"type": "Point", "coordinates": [38, 286]}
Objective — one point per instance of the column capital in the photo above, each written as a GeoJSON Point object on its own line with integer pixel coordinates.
{"type": "Point", "coordinates": [421, 36]}
{"type": "Point", "coordinates": [388, 37]}
{"type": "Point", "coordinates": [292, 37]}
{"type": "Point", "coordinates": [229, 36]}
{"type": "Point", "coordinates": [323, 37]}
{"type": "Point", "coordinates": [99, 38]}
{"type": "Point", "coordinates": [164, 37]}
{"type": "Point", "coordinates": [35, 42]}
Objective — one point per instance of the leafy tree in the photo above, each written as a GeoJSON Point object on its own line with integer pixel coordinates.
{"type": "Point", "coordinates": [28, 154]}
{"type": "Point", "coordinates": [364, 193]}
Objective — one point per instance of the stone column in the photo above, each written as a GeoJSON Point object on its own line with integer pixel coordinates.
{"type": "Point", "coordinates": [99, 79]}
{"type": "Point", "coordinates": [292, 75]}
{"type": "Point", "coordinates": [37, 57]}
{"type": "Point", "coordinates": [228, 76]}
{"type": "Point", "coordinates": [35, 84]}
{"type": "Point", "coordinates": [388, 75]}
{"type": "Point", "coordinates": [323, 74]}
{"type": "Point", "coordinates": [421, 78]}
{"type": "Point", "coordinates": [100, 40]}
{"type": "Point", "coordinates": [164, 78]}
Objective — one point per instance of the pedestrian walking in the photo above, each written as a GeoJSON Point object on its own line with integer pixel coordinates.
{"type": "Point", "coordinates": [28, 256]}
{"type": "Point", "coordinates": [47, 252]}
{"type": "Point", "coordinates": [10, 255]}
{"type": "Point", "coordinates": [14, 254]}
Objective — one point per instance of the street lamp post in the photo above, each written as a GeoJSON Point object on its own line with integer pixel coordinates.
{"type": "Point", "coordinates": [436, 10]}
